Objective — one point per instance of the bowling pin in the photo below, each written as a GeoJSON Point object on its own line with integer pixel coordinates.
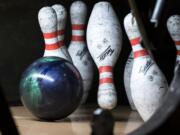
{"type": "Point", "coordinates": [61, 24]}
{"type": "Point", "coordinates": [173, 25]}
{"type": "Point", "coordinates": [127, 76]}
{"type": "Point", "coordinates": [78, 49]}
{"type": "Point", "coordinates": [48, 23]}
{"type": "Point", "coordinates": [148, 84]}
{"type": "Point", "coordinates": [104, 39]}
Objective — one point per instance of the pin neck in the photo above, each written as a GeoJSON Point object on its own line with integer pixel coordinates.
{"type": "Point", "coordinates": [51, 42]}
{"type": "Point", "coordinates": [177, 43]}
{"type": "Point", "coordinates": [78, 32]}
{"type": "Point", "coordinates": [138, 50]}
{"type": "Point", "coordinates": [135, 41]}
{"type": "Point", "coordinates": [60, 37]}
{"type": "Point", "coordinates": [50, 35]}
{"type": "Point", "coordinates": [52, 47]}
{"type": "Point", "coordinates": [178, 53]}
{"type": "Point", "coordinates": [106, 75]}
{"type": "Point", "coordinates": [178, 58]}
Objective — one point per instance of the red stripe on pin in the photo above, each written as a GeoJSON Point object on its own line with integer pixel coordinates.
{"type": "Point", "coordinates": [135, 41]}
{"type": "Point", "coordinates": [77, 38]}
{"type": "Point", "coordinates": [51, 46]}
{"type": "Point", "coordinates": [50, 35]}
{"type": "Point", "coordinates": [60, 32]}
{"type": "Point", "coordinates": [177, 42]}
{"type": "Point", "coordinates": [105, 69]}
{"type": "Point", "coordinates": [140, 53]}
{"type": "Point", "coordinates": [105, 80]}
{"type": "Point", "coordinates": [178, 52]}
{"type": "Point", "coordinates": [78, 26]}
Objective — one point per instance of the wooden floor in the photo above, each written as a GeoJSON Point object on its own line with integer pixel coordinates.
{"type": "Point", "coordinates": [77, 123]}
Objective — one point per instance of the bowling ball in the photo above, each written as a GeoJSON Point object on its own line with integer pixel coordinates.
{"type": "Point", "coordinates": [51, 88]}
{"type": "Point", "coordinates": [102, 122]}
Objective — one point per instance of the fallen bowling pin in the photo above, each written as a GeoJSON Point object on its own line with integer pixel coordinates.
{"type": "Point", "coordinates": [173, 26]}
{"type": "Point", "coordinates": [48, 23]}
{"type": "Point", "coordinates": [148, 84]}
{"type": "Point", "coordinates": [127, 76]}
{"type": "Point", "coordinates": [104, 40]}
{"type": "Point", "coordinates": [78, 47]}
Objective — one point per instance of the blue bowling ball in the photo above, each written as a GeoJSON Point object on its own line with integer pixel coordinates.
{"type": "Point", "coordinates": [51, 88]}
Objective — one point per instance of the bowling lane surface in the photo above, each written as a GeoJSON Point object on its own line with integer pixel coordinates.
{"type": "Point", "coordinates": [77, 123]}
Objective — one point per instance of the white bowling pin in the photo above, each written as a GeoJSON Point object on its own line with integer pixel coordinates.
{"type": "Point", "coordinates": [78, 48]}
{"type": "Point", "coordinates": [61, 24]}
{"type": "Point", "coordinates": [173, 25]}
{"type": "Point", "coordinates": [127, 76]}
{"type": "Point", "coordinates": [48, 23]}
{"type": "Point", "coordinates": [148, 84]}
{"type": "Point", "coordinates": [104, 38]}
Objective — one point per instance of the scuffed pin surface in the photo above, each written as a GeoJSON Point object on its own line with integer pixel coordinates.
{"type": "Point", "coordinates": [61, 24]}
{"type": "Point", "coordinates": [173, 26]}
{"type": "Point", "coordinates": [127, 76]}
{"type": "Point", "coordinates": [148, 84]}
{"type": "Point", "coordinates": [47, 20]}
{"type": "Point", "coordinates": [104, 38]}
{"type": "Point", "coordinates": [48, 24]}
{"type": "Point", "coordinates": [61, 16]}
{"type": "Point", "coordinates": [78, 49]}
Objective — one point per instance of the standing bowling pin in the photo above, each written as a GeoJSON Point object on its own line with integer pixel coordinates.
{"type": "Point", "coordinates": [148, 84]}
{"type": "Point", "coordinates": [104, 38]}
{"type": "Point", "coordinates": [48, 22]}
{"type": "Point", "coordinates": [61, 23]}
{"type": "Point", "coordinates": [127, 76]}
{"type": "Point", "coordinates": [173, 25]}
{"type": "Point", "coordinates": [78, 48]}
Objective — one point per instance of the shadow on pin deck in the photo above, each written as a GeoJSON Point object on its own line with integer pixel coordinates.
{"type": "Point", "coordinates": [21, 43]}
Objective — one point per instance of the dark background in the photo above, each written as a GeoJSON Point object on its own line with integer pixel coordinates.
{"type": "Point", "coordinates": [21, 41]}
